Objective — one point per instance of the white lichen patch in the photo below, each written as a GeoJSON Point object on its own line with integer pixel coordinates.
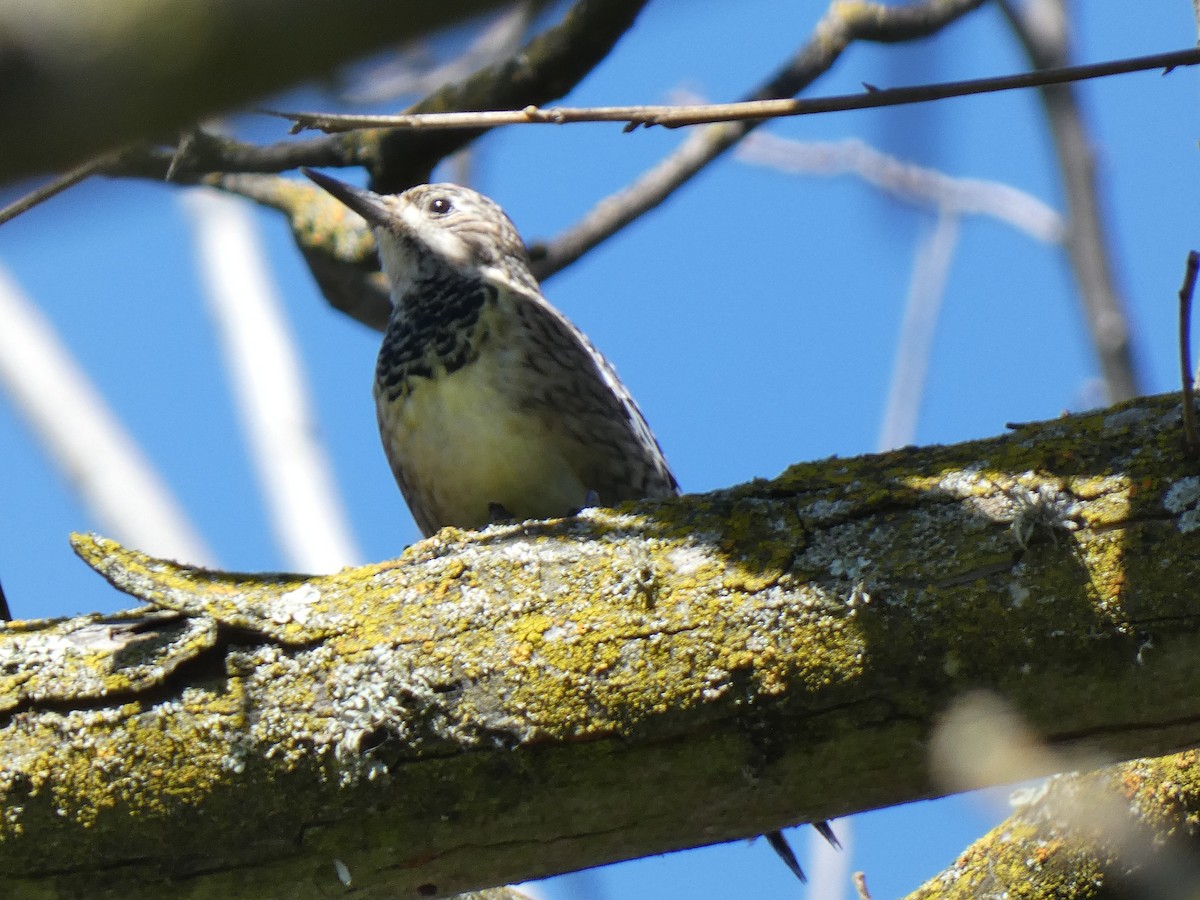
{"type": "Point", "coordinates": [821, 512]}
{"type": "Point", "coordinates": [689, 559]}
{"type": "Point", "coordinates": [565, 632]}
{"type": "Point", "coordinates": [1126, 418]}
{"type": "Point", "coordinates": [1029, 502]}
{"type": "Point", "coordinates": [858, 596]}
{"type": "Point", "coordinates": [1183, 499]}
{"type": "Point", "coordinates": [1017, 594]}
{"type": "Point", "coordinates": [295, 605]}
{"type": "Point", "coordinates": [851, 569]}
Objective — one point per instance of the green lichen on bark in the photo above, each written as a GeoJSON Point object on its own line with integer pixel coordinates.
{"type": "Point", "coordinates": [1129, 830]}
{"type": "Point", "coordinates": [771, 653]}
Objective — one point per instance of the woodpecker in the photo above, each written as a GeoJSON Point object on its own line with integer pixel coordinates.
{"type": "Point", "coordinates": [490, 402]}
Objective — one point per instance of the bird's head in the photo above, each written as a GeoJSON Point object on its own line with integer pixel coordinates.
{"type": "Point", "coordinates": [432, 228]}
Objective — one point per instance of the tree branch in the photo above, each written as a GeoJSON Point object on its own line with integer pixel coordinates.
{"type": "Point", "coordinates": [1124, 831]}
{"type": "Point", "coordinates": [681, 115]}
{"type": "Point", "coordinates": [1044, 39]}
{"type": "Point", "coordinates": [80, 80]}
{"type": "Point", "coordinates": [842, 24]}
{"type": "Point", "coordinates": [682, 672]}
{"type": "Point", "coordinates": [546, 67]}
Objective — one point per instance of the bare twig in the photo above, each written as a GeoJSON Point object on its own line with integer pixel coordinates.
{"type": "Point", "coordinates": [670, 116]}
{"type": "Point", "coordinates": [57, 185]}
{"type": "Point", "coordinates": [1041, 27]}
{"type": "Point", "coordinates": [841, 25]}
{"type": "Point", "coordinates": [1186, 293]}
{"type": "Point", "coordinates": [545, 67]}
{"type": "Point", "coordinates": [860, 886]}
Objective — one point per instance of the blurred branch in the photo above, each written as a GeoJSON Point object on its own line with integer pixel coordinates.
{"type": "Point", "coordinates": [842, 24]}
{"type": "Point", "coordinates": [336, 243]}
{"type": "Point", "coordinates": [400, 75]}
{"type": "Point", "coordinates": [114, 480]}
{"type": "Point", "coordinates": [81, 78]}
{"type": "Point", "coordinates": [906, 181]}
{"type": "Point", "coordinates": [677, 116]}
{"type": "Point", "coordinates": [1123, 831]}
{"type": "Point", "coordinates": [914, 345]}
{"type": "Point", "coordinates": [271, 391]}
{"type": "Point", "coordinates": [950, 199]}
{"type": "Point", "coordinates": [1041, 26]}
{"type": "Point", "coordinates": [547, 66]}
{"type": "Point", "coordinates": [721, 665]}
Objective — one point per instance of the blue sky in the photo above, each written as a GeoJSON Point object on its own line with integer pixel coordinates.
{"type": "Point", "coordinates": [754, 316]}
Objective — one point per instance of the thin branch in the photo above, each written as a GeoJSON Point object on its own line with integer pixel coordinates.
{"type": "Point", "coordinates": [57, 185]}
{"type": "Point", "coordinates": [1041, 27]}
{"type": "Point", "coordinates": [549, 65]}
{"type": "Point", "coordinates": [673, 116]}
{"type": "Point", "coordinates": [841, 25]}
{"type": "Point", "coordinates": [1186, 293]}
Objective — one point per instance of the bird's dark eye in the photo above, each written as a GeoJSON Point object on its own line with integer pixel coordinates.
{"type": "Point", "coordinates": [440, 205]}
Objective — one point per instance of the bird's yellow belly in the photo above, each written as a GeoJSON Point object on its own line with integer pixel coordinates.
{"type": "Point", "coordinates": [458, 447]}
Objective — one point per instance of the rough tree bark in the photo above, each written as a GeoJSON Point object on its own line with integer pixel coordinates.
{"type": "Point", "coordinates": [535, 698]}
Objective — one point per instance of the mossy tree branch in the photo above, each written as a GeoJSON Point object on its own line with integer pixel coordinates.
{"type": "Point", "coordinates": [535, 698]}
{"type": "Point", "coordinates": [80, 79]}
{"type": "Point", "coordinates": [1124, 831]}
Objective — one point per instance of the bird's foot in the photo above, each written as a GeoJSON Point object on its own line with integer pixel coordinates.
{"type": "Point", "coordinates": [498, 514]}
{"type": "Point", "coordinates": [590, 499]}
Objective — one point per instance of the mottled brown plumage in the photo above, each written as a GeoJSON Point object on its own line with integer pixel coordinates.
{"type": "Point", "coordinates": [487, 396]}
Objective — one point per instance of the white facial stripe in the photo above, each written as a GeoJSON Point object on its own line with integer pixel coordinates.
{"type": "Point", "coordinates": [445, 243]}
{"type": "Point", "coordinates": [412, 216]}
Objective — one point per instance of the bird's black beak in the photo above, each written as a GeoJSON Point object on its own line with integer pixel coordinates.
{"type": "Point", "coordinates": [366, 203]}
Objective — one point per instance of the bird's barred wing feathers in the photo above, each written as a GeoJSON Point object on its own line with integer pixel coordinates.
{"type": "Point", "coordinates": [577, 377]}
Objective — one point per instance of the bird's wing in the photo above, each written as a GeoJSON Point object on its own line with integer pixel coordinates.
{"type": "Point", "coordinates": [580, 387]}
